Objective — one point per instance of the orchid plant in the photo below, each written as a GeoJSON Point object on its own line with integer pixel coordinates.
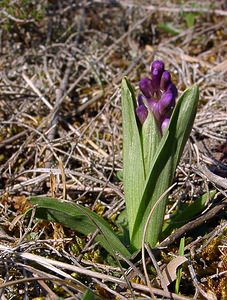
{"type": "Point", "coordinates": [156, 128]}
{"type": "Point", "coordinates": [155, 131]}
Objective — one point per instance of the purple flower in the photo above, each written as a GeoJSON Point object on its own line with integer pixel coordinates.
{"type": "Point", "coordinates": [166, 103]}
{"type": "Point", "coordinates": [165, 80]}
{"type": "Point", "coordinates": [157, 69]}
{"type": "Point", "coordinates": [158, 95]}
{"type": "Point", "coordinates": [142, 113]}
{"type": "Point", "coordinates": [146, 87]}
{"type": "Point", "coordinates": [141, 110]}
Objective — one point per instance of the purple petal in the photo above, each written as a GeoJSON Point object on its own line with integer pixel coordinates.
{"type": "Point", "coordinates": [141, 112]}
{"type": "Point", "coordinates": [157, 68]}
{"type": "Point", "coordinates": [172, 88]}
{"type": "Point", "coordinates": [165, 80]}
{"type": "Point", "coordinates": [157, 64]}
{"type": "Point", "coordinates": [166, 103]}
{"type": "Point", "coordinates": [153, 106]}
{"type": "Point", "coordinates": [140, 100]}
{"type": "Point", "coordinates": [146, 87]}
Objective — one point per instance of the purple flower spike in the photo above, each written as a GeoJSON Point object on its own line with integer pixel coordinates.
{"type": "Point", "coordinates": [160, 96]}
{"type": "Point", "coordinates": [165, 80]}
{"type": "Point", "coordinates": [141, 112]}
{"type": "Point", "coordinates": [146, 87]}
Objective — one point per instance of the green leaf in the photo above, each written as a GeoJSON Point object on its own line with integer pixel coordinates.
{"type": "Point", "coordinates": [119, 175]}
{"type": "Point", "coordinates": [179, 271]}
{"type": "Point", "coordinates": [190, 19]}
{"type": "Point", "coordinates": [163, 168]}
{"type": "Point", "coordinates": [184, 215]}
{"type": "Point", "coordinates": [150, 139]}
{"type": "Point", "coordinates": [122, 224]}
{"type": "Point", "coordinates": [169, 28]}
{"type": "Point", "coordinates": [133, 172]}
{"type": "Point", "coordinates": [80, 219]}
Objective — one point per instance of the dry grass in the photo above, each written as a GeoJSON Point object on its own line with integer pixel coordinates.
{"type": "Point", "coordinates": [61, 136]}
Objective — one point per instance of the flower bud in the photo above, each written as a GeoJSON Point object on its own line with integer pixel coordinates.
{"type": "Point", "coordinates": [165, 80]}
{"type": "Point", "coordinates": [141, 112]}
{"type": "Point", "coordinates": [166, 103]}
{"type": "Point", "coordinates": [146, 87]}
{"type": "Point", "coordinates": [172, 88]}
{"type": "Point", "coordinates": [157, 68]}
{"type": "Point", "coordinates": [153, 106]}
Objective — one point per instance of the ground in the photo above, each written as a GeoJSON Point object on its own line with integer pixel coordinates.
{"type": "Point", "coordinates": [61, 66]}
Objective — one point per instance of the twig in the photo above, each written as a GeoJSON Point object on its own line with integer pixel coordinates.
{"type": "Point", "coordinates": [21, 21]}
{"type": "Point", "coordinates": [104, 286]}
{"type": "Point", "coordinates": [203, 171]}
{"type": "Point", "coordinates": [170, 9]}
{"type": "Point", "coordinates": [13, 138]}
{"type": "Point", "coordinates": [193, 224]}
{"type": "Point", "coordinates": [59, 93]}
{"type": "Point", "coordinates": [196, 282]}
{"type": "Point", "coordinates": [53, 117]}
{"type": "Point", "coordinates": [132, 267]}
{"type": "Point", "coordinates": [35, 90]}
{"type": "Point", "coordinates": [163, 283]}
{"type": "Point", "coordinates": [211, 236]}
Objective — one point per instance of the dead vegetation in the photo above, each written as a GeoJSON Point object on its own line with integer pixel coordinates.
{"type": "Point", "coordinates": [61, 65]}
